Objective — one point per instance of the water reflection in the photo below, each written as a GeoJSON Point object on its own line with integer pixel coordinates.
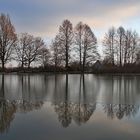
{"type": "Point", "coordinates": [74, 98]}
{"type": "Point", "coordinates": [80, 112]}
{"type": "Point", "coordinates": [120, 111]}
{"type": "Point", "coordinates": [8, 108]}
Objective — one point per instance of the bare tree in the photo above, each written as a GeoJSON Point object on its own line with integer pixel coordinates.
{"type": "Point", "coordinates": [133, 46]}
{"type": "Point", "coordinates": [7, 39]}
{"type": "Point", "coordinates": [32, 51]}
{"type": "Point", "coordinates": [109, 43]}
{"type": "Point", "coordinates": [120, 44]}
{"type": "Point", "coordinates": [130, 47]}
{"type": "Point", "coordinates": [78, 32]}
{"type": "Point", "coordinates": [57, 52]}
{"type": "Point", "coordinates": [86, 44]}
{"type": "Point", "coordinates": [66, 36]}
{"type": "Point", "coordinates": [24, 40]}
{"type": "Point", "coordinates": [89, 41]}
{"type": "Point", "coordinates": [44, 56]}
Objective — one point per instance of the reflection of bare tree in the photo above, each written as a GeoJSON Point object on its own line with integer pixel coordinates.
{"type": "Point", "coordinates": [71, 102]}
{"type": "Point", "coordinates": [7, 111]}
{"type": "Point", "coordinates": [25, 106]}
{"type": "Point", "coordinates": [63, 109]}
{"type": "Point", "coordinates": [8, 108]}
{"type": "Point", "coordinates": [83, 112]}
{"type": "Point", "coordinates": [64, 113]}
{"type": "Point", "coordinates": [120, 110]}
{"type": "Point", "coordinates": [26, 103]}
{"type": "Point", "coordinates": [123, 92]}
{"type": "Point", "coordinates": [30, 89]}
{"type": "Point", "coordinates": [80, 112]}
{"type": "Point", "coordinates": [2, 91]}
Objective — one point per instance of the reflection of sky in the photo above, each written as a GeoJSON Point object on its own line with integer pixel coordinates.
{"type": "Point", "coordinates": [44, 124]}
{"type": "Point", "coordinates": [92, 107]}
{"type": "Point", "coordinates": [42, 17]}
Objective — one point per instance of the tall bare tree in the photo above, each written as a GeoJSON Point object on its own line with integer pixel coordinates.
{"type": "Point", "coordinates": [7, 39]}
{"type": "Point", "coordinates": [44, 56]}
{"type": "Point", "coordinates": [66, 36]}
{"type": "Point", "coordinates": [86, 44]}
{"type": "Point", "coordinates": [120, 44]}
{"type": "Point", "coordinates": [109, 43]}
{"type": "Point", "coordinates": [24, 40]}
{"type": "Point", "coordinates": [57, 52]}
{"type": "Point", "coordinates": [90, 53]}
{"type": "Point", "coordinates": [131, 47]}
{"type": "Point", "coordinates": [78, 35]}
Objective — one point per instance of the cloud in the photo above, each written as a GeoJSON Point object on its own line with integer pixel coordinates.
{"type": "Point", "coordinates": [43, 17]}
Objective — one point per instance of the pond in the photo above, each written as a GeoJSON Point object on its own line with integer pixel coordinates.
{"type": "Point", "coordinates": [69, 107]}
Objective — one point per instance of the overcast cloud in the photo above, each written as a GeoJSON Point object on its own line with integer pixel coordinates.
{"type": "Point", "coordinates": [43, 17]}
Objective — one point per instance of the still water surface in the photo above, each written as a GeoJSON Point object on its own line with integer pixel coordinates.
{"type": "Point", "coordinates": [69, 107]}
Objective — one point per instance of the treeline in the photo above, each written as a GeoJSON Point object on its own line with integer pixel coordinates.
{"type": "Point", "coordinates": [72, 49]}
{"type": "Point", "coordinates": [121, 46]}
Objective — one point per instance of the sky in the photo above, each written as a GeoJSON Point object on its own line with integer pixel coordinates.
{"type": "Point", "coordinates": [43, 17]}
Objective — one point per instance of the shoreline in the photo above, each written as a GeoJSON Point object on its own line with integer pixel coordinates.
{"type": "Point", "coordinates": [57, 73]}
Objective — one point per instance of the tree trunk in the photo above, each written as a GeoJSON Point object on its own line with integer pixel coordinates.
{"type": "Point", "coordinates": [22, 66]}
{"type": "Point", "coordinates": [84, 61]}
{"type": "Point", "coordinates": [55, 66]}
{"type": "Point", "coordinates": [113, 62]}
{"type": "Point", "coordinates": [83, 70]}
{"type": "Point", "coordinates": [120, 52]}
{"type": "Point", "coordinates": [66, 90]}
{"type": "Point", "coordinates": [3, 66]}
{"type": "Point", "coordinates": [80, 59]}
{"type": "Point", "coordinates": [66, 58]}
{"type": "Point", "coordinates": [2, 93]}
{"type": "Point", "coordinates": [29, 65]}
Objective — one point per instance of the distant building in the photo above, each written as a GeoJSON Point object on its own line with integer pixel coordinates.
{"type": "Point", "coordinates": [138, 58]}
{"type": "Point", "coordinates": [97, 65]}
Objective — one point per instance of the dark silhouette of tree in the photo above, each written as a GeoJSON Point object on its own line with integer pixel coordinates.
{"type": "Point", "coordinates": [90, 53]}
{"type": "Point", "coordinates": [57, 55]}
{"type": "Point", "coordinates": [86, 45]}
{"type": "Point", "coordinates": [120, 44]}
{"type": "Point", "coordinates": [7, 39]}
{"type": "Point", "coordinates": [24, 40]}
{"type": "Point", "coordinates": [44, 56]}
{"type": "Point", "coordinates": [66, 36]}
{"type": "Point", "coordinates": [110, 43]}
{"type": "Point", "coordinates": [78, 32]}
{"type": "Point", "coordinates": [72, 49]}
{"type": "Point", "coordinates": [131, 47]}
{"type": "Point", "coordinates": [28, 49]}
{"type": "Point", "coordinates": [32, 51]}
